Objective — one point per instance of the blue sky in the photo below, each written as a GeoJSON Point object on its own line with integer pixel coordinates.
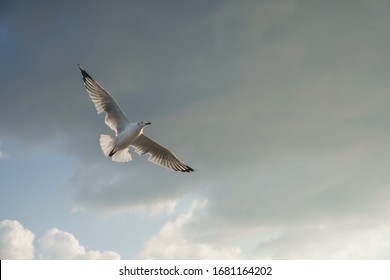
{"type": "Point", "coordinates": [281, 107]}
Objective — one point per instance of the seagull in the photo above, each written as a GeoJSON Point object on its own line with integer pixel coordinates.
{"type": "Point", "coordinates": [127, 134]}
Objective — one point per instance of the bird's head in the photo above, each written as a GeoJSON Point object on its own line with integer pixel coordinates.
{"type": "Point", "coordinates": [143, 124]}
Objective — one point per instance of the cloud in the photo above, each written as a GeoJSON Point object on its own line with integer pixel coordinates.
{"type": "Point", "coordinates": [327, 242]}
{"type": "Point", "coordinates": [112, 188]}
{"type": "Point", "coordinates": [295, 144]}
{"type": "Point", "coordinates": [3, 155]}
{"type": "Point", "coordinates": [16, 242]}
{"type": "Point", "coordinates": [251, 230]}
{"type": "Point", "coordinates": [56, 244]}
{"type": "Point", "coordinates": [280, 106]}
{"type": "Point", "coordinates": [174, 241]}
{"type": "Point", "coordinates": [328, 207]}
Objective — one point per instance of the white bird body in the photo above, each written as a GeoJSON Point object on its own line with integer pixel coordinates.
{"type": "Point", "coordinates": [127, 134]}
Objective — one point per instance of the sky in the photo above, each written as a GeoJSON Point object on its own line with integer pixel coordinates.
{"type": "Point", "coordinates": [281, 107]}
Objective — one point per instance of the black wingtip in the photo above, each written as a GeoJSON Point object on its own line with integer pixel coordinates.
{"type": "Point", "coordinates": [187, 169]}
{"type": "Point", "coordinates": [84, 73]}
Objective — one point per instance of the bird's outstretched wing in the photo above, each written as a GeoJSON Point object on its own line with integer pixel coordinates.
{"type": "Point", "coordinates": [104, 102]}
{"type": "Point", "coordinates": [159, 154]}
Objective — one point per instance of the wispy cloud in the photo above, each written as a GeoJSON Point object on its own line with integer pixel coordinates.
{"type": "Point", "coordinates": [3, 155]}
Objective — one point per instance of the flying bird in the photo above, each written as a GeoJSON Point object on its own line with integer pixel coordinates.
{"type": "Point", "coordinates": [127, 134]}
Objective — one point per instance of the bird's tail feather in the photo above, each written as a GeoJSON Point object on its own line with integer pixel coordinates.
{"type": "Point", "coordinates": [107, 143]}
{"type": "Point", "coordinates": [122, 155]}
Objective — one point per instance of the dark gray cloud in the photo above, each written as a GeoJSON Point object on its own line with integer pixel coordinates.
{"type": "Point", "coordinates": [140, 52]}
{"type": "Point", "coordinates": [43, 44]}
{"type": "Point", "coordinates": [302, 137]}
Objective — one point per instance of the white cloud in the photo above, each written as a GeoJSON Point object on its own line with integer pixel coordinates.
{"type": "Point", "coordinates": [158, 208]}
{"type": "Point", "coordinates": [56, 244]}
{"type": "Point", "coordinates": [16, 242]}
{"type": "Point", "coordinates": [174, 241]}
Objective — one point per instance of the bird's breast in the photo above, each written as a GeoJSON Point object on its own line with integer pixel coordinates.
{"type": "Point", "coordinates": [127, 137]}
